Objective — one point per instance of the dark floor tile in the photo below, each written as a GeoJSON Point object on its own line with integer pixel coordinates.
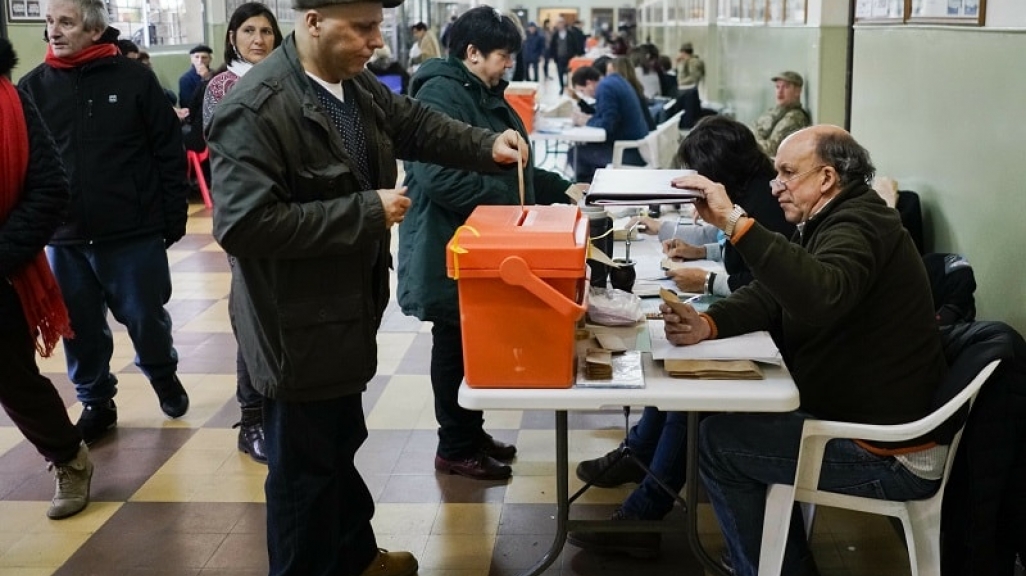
{"type": "Point", "coordinates": [226, 416]}
{"type": "Point", "coordinates": [232, 572]}
{"type": "Point", "coordinates": [253, 520]}
{"type": "Point", "coordinates": [240, 552]}
{"type": "Point", "coordinates": [516, 552]}
{"type": "Point", "coordinates": [521, 519]}
{"type": "Point", "coordinates": [374, 390]}
{"type": "Point", "coordinates": [418, 357]}
{"type": "Point", "coordinates": [124, 461]}
{"type": "Point", "coordinates": [381, 451]}
{"type": "Point", "coordinates": [184, 549]}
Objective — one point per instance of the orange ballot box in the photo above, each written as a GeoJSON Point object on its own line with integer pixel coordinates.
{"type": "Point", "coordinates": [522, 286]}
{"type": "Point", "coordinates": [521, 97]}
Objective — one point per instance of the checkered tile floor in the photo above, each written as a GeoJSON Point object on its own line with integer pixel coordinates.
{"type": "Point", "coordinates": [175, 498]}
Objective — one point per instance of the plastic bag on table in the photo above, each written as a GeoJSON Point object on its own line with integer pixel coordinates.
{"type": "Point", "coordinates": [612, 307]}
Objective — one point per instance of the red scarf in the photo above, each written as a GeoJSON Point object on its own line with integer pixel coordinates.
{"type": "Point", "coordinates": [93, 52]}
{"type": "Point", "coordinates": [38, 291]}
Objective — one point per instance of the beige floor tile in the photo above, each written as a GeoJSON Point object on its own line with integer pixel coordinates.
{"type": "Point", "coordinates": [467, 519]}
{"type": "Point", "coordinates": [412, 543]}
{"type": "Point", "coordinates": [9, 438]}
{"type": "Point", "coordinates": [213, 319]}
{"type": "Point", "coordinates": [208, 468]}
{"type": "Point", "coordinates": [404, 519]}
{"type": "Point", "coordinates": [503, 420]}
{"type": "Point", "coordinates": [39, 550]}
{"type": "Point", "coordinates": [392, 346]}
{"type": "Point", "coordinates": [457, 551]}
{"type": "Point", "coordinates": [407, 403]}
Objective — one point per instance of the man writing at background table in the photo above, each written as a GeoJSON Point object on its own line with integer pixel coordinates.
{"type": "Point", "coordinates": [848, 303]}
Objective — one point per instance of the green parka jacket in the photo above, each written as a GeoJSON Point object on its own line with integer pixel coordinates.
{"type": "Point", "coordinates": [443, 198]}
{"type": "Point", "coordinates": [311, 282]}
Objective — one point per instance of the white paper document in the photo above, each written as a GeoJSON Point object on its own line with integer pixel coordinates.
{"type": "Point", "coordinates": [621, 186]}
{"type": "Point", "coordinates": [757, 346]}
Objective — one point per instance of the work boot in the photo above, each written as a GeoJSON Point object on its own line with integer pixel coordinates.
{"type": "Point", "coordinates": [73, 478]}
{"type": "Point", "coordinates": [609, 471]}
{"type": "Point", "coordinates": [251, 434]}
{"type": "Point", "coordinates": [643, 545]}
{"type": "Point", "coordinates": [391, 564]}
{"type": "Point", "coordinates": [174, 401]}
{"type": "Point", "coordinates": [96, 420]}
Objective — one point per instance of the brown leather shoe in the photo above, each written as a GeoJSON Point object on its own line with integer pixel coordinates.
{"type": "Point", "coordinates": [391, 564]}
{"type": "Point", "coordinates": [479, 467]}
{"type": "Point", "coordinates": [499, 450]}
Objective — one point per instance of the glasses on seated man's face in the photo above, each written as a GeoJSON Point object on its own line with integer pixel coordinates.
{"type": "Point", "coordinates": [780, 184]}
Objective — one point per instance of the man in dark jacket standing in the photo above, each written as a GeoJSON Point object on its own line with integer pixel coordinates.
{"type": "Point", "coordinates": [122, 148]}
{"type": "Point", "coordinates": [304, 171]}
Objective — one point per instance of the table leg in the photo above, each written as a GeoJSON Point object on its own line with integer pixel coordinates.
{"type": "Point", "coordinates": [691, 495]}
{"type": "Point", "coordinates": [562, 497]}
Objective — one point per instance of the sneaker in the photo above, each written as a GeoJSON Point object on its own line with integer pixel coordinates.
{"type": "Point", "coordinates": [73, 478]}
{"type": "Point", "coordinates": [96, 420]}
{"type": "Point", "coordinates": [643, 545]}
{"type": "Point", "coordinates": [391, 564]}
{"type": "Point", "coordinates": [174, 401]}
{"type": "Point", "coordinates": [610, 471]}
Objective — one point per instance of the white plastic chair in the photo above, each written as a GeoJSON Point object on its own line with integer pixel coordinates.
{"type": "Point", "coordinates": [656, 149]}
{"type": "Point", "coordinates": [920, 518]}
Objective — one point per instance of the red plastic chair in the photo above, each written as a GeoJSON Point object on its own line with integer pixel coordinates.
{"type": "Point", "coordinates": [196, 165]}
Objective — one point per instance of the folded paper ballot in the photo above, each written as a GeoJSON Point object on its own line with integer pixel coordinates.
{"type": "Point", "coordinates": [756, 346]}
{"type": "Point", "coordinates": [612, 186]}
{"type": "Point", "coordinates": [713, 369]}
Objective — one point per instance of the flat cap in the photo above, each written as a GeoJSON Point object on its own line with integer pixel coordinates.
{"type": "Point", "coordinates": [790, 77]}
{"type": "Point", "coordinates": [308, 4]}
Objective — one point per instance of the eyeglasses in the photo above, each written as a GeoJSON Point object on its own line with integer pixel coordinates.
{"type": "Point", "coordinates": [778, 185]}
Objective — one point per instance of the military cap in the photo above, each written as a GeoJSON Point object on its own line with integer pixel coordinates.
{"type": "Point", "coordinates": [790, 77]}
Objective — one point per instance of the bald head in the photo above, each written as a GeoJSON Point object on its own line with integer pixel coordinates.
{"type": "Point", "coordinates": [835, 147]}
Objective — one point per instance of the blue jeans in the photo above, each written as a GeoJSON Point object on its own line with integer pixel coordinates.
{"type": "Point", "coordinates": [740, 455]}
{"type": "Point", "coordinates": [130, 277]}
{"type": "Point", "coordinates": [319, 509]}
{"type": "Point", "coordinates": [658, 440]}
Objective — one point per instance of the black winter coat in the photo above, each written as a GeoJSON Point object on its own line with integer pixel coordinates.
{"type": "Point", "coordinates": [121, 144]}
{"type": "Point", "coordinates": [28, 226]}
{"type": "Point", "coordinates": [984, 515]}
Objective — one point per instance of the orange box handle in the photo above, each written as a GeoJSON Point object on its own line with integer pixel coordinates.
{"type": "Point", "coordinates": [515, 271]}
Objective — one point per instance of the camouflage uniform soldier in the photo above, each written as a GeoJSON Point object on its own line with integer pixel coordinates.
{"type": "Point", "coordinates": [786, 117]}
{"type": "Point", "coordinates": [690, 68]}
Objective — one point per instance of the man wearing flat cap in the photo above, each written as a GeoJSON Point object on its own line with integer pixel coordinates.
{"type": "Point", "coordinates": [303, 154]}
{"type": "Point", "coordinates": [199, 72]}
{"type": "Point", "coordinates": [690, 68]}
{"type": "Point", "coordinates": [786, 117]}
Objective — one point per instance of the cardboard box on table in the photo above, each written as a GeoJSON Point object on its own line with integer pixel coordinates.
{"type": "Point", "coordinates": [522, 285]}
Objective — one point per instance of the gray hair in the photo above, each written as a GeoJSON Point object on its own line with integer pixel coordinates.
{"type": "Point", "coordinates": [94, 14]}
{"type": "Point", "coordinates": [851, 161]}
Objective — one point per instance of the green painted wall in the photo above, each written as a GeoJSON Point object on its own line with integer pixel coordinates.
{"type": "Point", "coordinates": [950, 126]}
{"type": "Point", "coordinates": [744, 58]}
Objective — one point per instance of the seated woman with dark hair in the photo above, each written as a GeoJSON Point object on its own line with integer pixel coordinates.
{"type": "Point", "coordinates": [469, 86]}
{"type": "Point", "coordinates": [725, 151]}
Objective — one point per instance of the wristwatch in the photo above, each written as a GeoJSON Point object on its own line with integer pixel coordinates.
{"type": "Point", "coordinates": [732, 219]}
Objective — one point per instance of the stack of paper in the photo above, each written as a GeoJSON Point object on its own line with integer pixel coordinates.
{"type": "Point", "coordinates": [755, 346]}
{"type": "Point", "coordinates": [613, 186]}
{"type": "Point", "coordinates": [714, 369]}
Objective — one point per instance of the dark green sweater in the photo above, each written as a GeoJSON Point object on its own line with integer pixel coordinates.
{"type": "Point", "coordinates": [849, 302]}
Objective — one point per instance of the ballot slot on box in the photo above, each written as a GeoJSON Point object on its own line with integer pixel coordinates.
{"type": "Point", "coordinates": [522, 283]}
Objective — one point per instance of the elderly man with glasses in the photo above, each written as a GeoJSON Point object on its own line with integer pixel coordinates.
{"type": "Point", "coordinates": [848, 302]}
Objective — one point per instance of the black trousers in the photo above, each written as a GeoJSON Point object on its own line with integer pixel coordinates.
{"type": "Point", "coordinates": [27, 396]}
{"type": "Point", "coordinates": [319, 509]}
{"type": "Point", "coordinates": [459, 430]}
